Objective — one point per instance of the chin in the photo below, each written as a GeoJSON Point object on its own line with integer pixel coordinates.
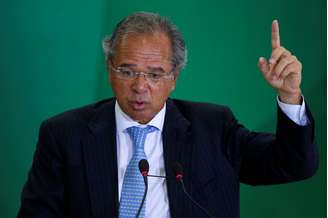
{"type": "Point", "coordinates": [142, 118]}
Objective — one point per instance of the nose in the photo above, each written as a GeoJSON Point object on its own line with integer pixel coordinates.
{"type": "Point", "coordinates": [140, 84]}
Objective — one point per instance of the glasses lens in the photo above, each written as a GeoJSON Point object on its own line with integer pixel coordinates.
{"type": "Point", "coordinates": [155, 76]}
{"type": "Point", "coordinates": [126, 73]}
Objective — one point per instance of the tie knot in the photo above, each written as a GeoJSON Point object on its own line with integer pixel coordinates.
{"type": "Point", "coordinates": [138, 135]}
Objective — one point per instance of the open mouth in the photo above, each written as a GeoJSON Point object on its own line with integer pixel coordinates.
{"type": "Point", "coordinates": [138, 105]}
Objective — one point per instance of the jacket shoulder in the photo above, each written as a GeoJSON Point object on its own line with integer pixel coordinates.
{"type": "Point", "coordinates": [77, 116]}
{"type": "Point", "coordinates": [200, 107]}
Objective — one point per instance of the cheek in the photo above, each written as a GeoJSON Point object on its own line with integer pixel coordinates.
{"type": "Point", "coordinates": [118, 88]}
{"type": "Point", "coordinates": [162, 93]}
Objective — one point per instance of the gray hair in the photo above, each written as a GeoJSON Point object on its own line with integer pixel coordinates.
{"type": "Point", "coordinates": [146, 22]}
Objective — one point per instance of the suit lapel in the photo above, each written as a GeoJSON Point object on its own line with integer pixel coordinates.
{"type": "Point", "coordinates": [177, 149]}
{"type": "Point", "coordinates": [99, 148]}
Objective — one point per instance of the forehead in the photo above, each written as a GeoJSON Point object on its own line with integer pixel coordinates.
{"type": "Point", "coordinates": [144, 49]}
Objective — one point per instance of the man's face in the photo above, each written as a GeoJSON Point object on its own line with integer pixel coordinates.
{"type": "Point", "coordinates": [140, 98]}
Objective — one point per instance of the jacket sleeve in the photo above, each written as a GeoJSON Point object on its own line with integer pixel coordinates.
{"type": "Point", "coordinates": [263, 158]}
{"type": "Point", "coordinates": [43, 193]}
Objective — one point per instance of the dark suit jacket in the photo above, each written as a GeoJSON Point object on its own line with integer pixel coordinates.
{"type": "Point", "coordinates": [74, 171]}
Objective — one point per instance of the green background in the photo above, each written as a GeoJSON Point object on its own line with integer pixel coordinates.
{"type": "Point", "coordinates": [51, 60]}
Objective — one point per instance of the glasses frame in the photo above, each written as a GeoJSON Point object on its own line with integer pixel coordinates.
{"type": "Point", "coordinates": [166, 76]}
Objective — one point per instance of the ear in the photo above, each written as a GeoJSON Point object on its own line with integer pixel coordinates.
{"type": "Point", "coordinates": [173, 84]}
{"type": "Point", "coordinates": [110, 77]}
{"type": "Point", "coordinates": [107, 64]}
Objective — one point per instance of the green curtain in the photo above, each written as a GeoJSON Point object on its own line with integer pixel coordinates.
{"type": "Point", "coordinates": [51, 61]}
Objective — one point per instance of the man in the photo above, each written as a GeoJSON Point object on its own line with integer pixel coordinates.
{"type": "Point", "coordinates": [85, 164]}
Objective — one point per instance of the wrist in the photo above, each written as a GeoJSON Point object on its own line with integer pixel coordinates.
{"type": "Point", "coordinates": [291, 98]}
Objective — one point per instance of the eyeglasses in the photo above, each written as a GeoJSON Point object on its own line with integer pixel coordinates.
{"type": "Point", "coordinates": [153, 76]}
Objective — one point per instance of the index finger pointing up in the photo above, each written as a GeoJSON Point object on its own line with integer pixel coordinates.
{"type": "Point", "coordinates": [275, 37]}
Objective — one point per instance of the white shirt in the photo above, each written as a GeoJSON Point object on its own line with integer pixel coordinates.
{"type": "Point", "coordinates": [295, 112]}
{"type": "Point", "coordinates": [157, 204]}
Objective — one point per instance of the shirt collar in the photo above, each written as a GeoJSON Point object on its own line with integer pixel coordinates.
{"type": "Point", "coordinates": [123, 121]}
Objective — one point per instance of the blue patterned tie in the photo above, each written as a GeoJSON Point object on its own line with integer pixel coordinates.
{"type": "Point", "coordinates": [133, 184]}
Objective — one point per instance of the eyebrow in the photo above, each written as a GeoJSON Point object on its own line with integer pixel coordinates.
{"type": "Point", "coordinates": [127, 65]}
{"type": "Point", "coordinates": [150, 68]}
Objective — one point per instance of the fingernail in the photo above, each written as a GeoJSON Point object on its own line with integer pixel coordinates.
{"type": "Point", "coordinates": [261, 59]}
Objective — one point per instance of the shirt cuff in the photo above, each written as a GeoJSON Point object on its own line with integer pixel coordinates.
{"type": "Point", "coordinates": [296, 113]}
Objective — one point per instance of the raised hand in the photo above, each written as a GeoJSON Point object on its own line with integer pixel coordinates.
{"type": "Point", "coordinates": [283, 71]}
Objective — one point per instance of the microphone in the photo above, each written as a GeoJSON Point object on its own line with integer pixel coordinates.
{"type": "Point", "coordinates": [144, 169]}
{"type": "Point", "coordinates": [178, 172]}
